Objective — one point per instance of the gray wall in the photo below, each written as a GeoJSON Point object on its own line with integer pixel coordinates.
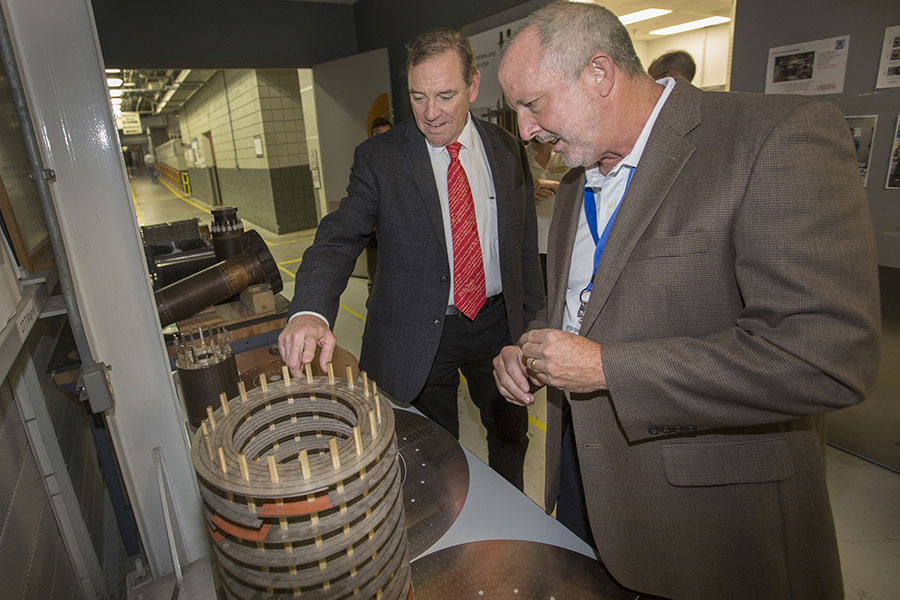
{"type": "Point", "coordinates": [392, 24]}
{"type": "Point", "coordinates": [763, 24]}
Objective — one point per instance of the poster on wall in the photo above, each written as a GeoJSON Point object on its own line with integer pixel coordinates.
{"type": "Point", "coordinates": [889, 69]}
{"type": "Point", "coordinates": [862, 128]}
{"type": "Point", "coordinates": [486, 46]}
{"type": "Point", "coordinates": [808, 68]}
{"type": "Point", "coordinates": [893, 177]}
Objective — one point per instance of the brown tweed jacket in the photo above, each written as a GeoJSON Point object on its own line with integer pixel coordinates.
{"type": "Point", "coordinates": [736, 301]}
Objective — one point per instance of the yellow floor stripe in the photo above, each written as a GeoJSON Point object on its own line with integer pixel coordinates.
{"type": "Point", "coordinates": [299, 239]}
{"type": "Point", "coordinates": [136, 209]}
{"type": "Point", "coordinates": [288, 262]}
{"type": "Point", "coordinates": [290, 273]}
{"type": "Point", "coordinates": [354, 313]}
{"type": "Point", "coordinates": [194, 204]}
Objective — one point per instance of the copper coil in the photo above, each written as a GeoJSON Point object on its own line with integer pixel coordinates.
{"type": "Point", "coordinates": [301, 487]}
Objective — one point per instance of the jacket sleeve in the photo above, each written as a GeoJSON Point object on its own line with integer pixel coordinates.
{"type": "Point", "coordinates": [340, 238]}
{"type": "Point", "coordinates": [806, 338]}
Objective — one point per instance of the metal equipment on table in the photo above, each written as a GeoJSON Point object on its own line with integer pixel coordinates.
{"type": "Point", "coordinates": [513, 569]}
{"type": "Point", "coordinates": [301, 487]}
{"type": "Point", "coordinates": [205, 370]}
{"type": "Point", "coordinates": [227, 231]}
{"type": "Point", "coordinates": [219, 282]}
{"type": "Point", "coordinates": [435, 479]}
{"type": "Point", "coordinates": [175, 250]}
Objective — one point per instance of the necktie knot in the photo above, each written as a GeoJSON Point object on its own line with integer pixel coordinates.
{"type": "Point", "coordinates": [453, 149]}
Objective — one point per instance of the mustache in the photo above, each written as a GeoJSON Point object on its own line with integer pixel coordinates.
{"type": "Point", "coordinates": [547, 138]}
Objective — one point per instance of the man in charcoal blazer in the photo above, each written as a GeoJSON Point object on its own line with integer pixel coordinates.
{"type": "Point", "coordinates": [415, 340]}
{"type": "Point", "coordinates": [735, 301]}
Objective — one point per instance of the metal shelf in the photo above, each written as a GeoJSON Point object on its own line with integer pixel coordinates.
{"type": "Point", "coordinates": [35, 292]}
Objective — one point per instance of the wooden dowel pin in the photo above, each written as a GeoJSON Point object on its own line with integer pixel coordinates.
{"type": "Point", "coordinates": [273, 468]}
{"type": "Point", "coordinates": [335, 457]}
{"type": "Point", "coordinates": [222, 464]}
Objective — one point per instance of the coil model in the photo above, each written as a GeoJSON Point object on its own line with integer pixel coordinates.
{"type": "Point", "coordinates": [301, 487]}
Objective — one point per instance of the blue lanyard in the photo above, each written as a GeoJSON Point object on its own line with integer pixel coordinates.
{"type": "Point", "coordinates": [590, 213]}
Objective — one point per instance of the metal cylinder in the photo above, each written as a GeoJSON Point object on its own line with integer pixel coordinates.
{"type": "Point", "coordinates": [206, 368]}
{"type": "Point", "coordinates": [227, 231]}
{"type": "Point", "coordinates": [219, 282]}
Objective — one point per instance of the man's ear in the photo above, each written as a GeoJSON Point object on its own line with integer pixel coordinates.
{"type": "Point", "coordinates": [601, 73]}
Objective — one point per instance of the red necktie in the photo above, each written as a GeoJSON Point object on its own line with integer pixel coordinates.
{"type": "Point", "coordinates": [468, 265]}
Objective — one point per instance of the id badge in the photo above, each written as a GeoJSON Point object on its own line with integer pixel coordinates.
{"type": "Point", "coordinates": [583, 298]}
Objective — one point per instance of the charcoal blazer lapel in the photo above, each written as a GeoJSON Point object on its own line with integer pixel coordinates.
{"type": "Point", "coordinates": [664, 157]}
{"type": "Point", "coordinates": [419, 161]}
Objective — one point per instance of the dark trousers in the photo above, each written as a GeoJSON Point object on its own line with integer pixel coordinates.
{"type": "Point", "coordinates": [571, 508]}
{"type": "Point", "coordinates": [470, 346]}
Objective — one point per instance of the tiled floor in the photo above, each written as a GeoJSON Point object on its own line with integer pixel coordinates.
{"type": "Point", "coordinates": [864, 496]}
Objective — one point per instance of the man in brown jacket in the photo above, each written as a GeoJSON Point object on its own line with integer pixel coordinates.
{"type": "Point", "coordinates": [717, 296]}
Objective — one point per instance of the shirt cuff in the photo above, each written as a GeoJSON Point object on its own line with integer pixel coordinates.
{"type": "Point", "coordinates": [309, 312]}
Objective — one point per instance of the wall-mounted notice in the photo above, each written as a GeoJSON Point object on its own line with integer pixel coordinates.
{"type": "Point", "coordinates": [893, 177]}
{"type": "Point", "coordinates": [862, 128]}
{"type": "Point", "coordinates": [889, 69]}
{"type": "Point", "coordinates": [808, 68]}
{"type": "Point", "coordinates": [486, 46]}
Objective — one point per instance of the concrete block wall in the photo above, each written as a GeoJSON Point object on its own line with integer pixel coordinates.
{"type": "Point", "coordinates": [237, 106]}
{"type": "Point", "coordinates": [285, 147]}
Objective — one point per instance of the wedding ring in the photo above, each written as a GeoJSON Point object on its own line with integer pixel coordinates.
{"type": "Point", "coordinates": [533, 360]}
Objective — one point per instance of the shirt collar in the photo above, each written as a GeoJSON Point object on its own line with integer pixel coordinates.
{"type": "Point", "coordinates": [632, 158]}
{"type": "Point", "coordinates": [466, 138]}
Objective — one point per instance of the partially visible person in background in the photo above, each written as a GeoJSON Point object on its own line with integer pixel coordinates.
{"type": "Point", "coordinates": [150, 164]}
{"type": "Point", "coordinates": [547, 170]}
{"type": "Point", "coordinates": [672, 64]}
{"type": "Point", "coordinates": [379, 125]}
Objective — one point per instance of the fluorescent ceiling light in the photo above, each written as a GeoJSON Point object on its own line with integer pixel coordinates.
{"type": "Point", "coordinates": [643, 15]}
{"type": "Point", "coordinates": [113, 70]}
{"type": "Point", "coordinates": [113, 81]}
{"type": "Point", "coordinates": [116, 101]}
{"type": "Point", "coordinates": [708, 21]}
{"type": "Point", "coordinates": [115, 93]}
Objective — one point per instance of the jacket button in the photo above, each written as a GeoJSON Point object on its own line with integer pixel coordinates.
{"type": "Point", "coordinates": [666, 429]}
{"type": "Point", "coordinates": [653, 430]}
{"type": "Point", "coordinates": [437, 323]}
{"type": "Point", "coordinates": [443, 279]}
{"type": "Point", "coordinates": [690, 428]}
{"type": "Point", "coordinates": [679, 429]}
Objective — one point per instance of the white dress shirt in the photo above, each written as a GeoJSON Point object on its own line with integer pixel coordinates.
{"type": "Point", "coordinates": [609, 190]}
{"type": "Point", "coordinates": [474, 161]}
